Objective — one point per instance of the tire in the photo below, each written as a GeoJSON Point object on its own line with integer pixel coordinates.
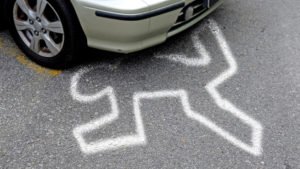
{"type": "Point", "coordinates": [2, 20]}
{"type": "Point", "coordinates": [2, 26]}
{"type": "Point", "coordinates": [68, 43]}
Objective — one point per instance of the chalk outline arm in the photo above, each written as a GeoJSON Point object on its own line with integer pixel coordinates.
{"type": "Point", "coordinates": [103, 144]}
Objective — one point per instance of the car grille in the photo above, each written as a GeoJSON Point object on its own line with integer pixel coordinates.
{"type": "Point", "coordinates": [199, 7]}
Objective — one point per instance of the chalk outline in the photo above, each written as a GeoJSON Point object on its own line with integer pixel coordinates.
{"type": "Point", "coordinates": [140, 137]}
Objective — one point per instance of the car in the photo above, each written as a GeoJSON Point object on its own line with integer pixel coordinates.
{"type": "Point", "coordinates": [53, 32]}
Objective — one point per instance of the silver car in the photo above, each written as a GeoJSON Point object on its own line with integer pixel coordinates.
{"type": "Point", "coordinates": [53, 32]}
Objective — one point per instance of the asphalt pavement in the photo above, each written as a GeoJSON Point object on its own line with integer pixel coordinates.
{"type": "Point", "coordinates": [223, 94]}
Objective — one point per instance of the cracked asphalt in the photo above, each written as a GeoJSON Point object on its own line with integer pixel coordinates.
{"type": "Point", "coordinates": [38, 113]}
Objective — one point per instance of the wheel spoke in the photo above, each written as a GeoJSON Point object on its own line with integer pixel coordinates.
{"type": "Point", "coordinates": [55, 27]}
{"type": "Point", "coordinates": [35, 44]}
{"type": "Point", "coordinates": [51, 45]}
{"type": "Point", "coordinates": [23, 25]}
{"type": "Point", "coordinates": [40, 7]}
{"type": "Point", "coordinates": [24, 7]}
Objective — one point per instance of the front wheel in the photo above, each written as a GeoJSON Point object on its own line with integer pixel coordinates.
{"type": "Point", "coordinates": [47, 31]}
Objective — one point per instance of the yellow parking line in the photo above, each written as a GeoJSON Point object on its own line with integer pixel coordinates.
{"type": "Point", "coordinates": [38, 69]}
{"type": "Point", "coordinates": [13, 51]}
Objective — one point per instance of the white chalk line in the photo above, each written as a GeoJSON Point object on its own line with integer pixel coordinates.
{"type": "Point", "coordinates": [211, 87]}
{"type": "Point", "coordinates": [140, 137]}
{"type": "Point", "coordinates": [203, 60]}
{"type": "Point", "coordinates": [105, 144]}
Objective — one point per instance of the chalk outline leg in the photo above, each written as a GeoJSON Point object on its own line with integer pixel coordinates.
{"type": "Point", "coordinates": [211, 87]}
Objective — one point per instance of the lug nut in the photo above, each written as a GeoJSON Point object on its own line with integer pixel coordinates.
{"type": "Point", "coordinates": [44, 30]}
{"type": "Point", "coordinates": [30, 21]}
{"type": "Point", "coordinates": [38, 19]}
{"type": "Point", "coordinates": [36, 33]}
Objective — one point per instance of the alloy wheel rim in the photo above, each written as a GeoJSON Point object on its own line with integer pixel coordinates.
{"type": "Point", "coordinates": [39, 26]}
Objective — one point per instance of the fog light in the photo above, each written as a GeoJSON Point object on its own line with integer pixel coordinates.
{"type": "Point", "coordinates": [189, 13]}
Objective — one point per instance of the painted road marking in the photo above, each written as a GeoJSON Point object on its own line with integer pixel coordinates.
{"type": "Point", "coordinates": [140, 137]}
{"type": "Point", "coordinates": [36, 68]}
{"type": "Point", "coordinates": [19, 56]}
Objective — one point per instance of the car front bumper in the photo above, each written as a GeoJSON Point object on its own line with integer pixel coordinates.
{"type": "Point", "coordinates": [127, 26]}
